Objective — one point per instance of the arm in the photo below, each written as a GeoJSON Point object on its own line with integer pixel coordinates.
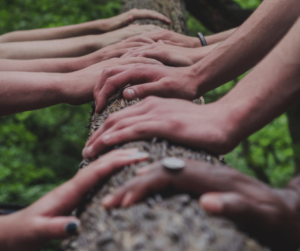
{"type": "Point", "coordinates": [69, 47]}
{"type": "Point", "coordinates": [23, 91]}
{"type": "Point", "coordinates": [49, 217]}
{"type": "Point", "coordinates": [88, 28]}
{"type": "Point", "coordinates": [63, 65]}
{"type": "Point", "coordinates": [271, 215]}
{"type": "Point", "coordinates": [266, 92]}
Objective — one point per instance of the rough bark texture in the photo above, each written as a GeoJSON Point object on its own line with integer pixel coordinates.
{"type": "Point", "coordinates": [161, 222]}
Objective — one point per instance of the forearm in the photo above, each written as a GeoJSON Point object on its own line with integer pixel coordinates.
{"type": "Point", "coordinates": [248, 45]}
{"type": "Point", "coordinates": [267, 91]}
{"type": "Point", "coordinates": [71, 47]}
{"type": "Point", "coordinates": [88, 28]}
{"type": "Point", "coordinates": [23, 91]}
{"type": "Point", "coordinates": [55, 65]}
{"type": "Point", "coordinates": [219, 37]}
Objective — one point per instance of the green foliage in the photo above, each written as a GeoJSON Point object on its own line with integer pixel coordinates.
{"type": "Point", "coordinates": [41, 149]}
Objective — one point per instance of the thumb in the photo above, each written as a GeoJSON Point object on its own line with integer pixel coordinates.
{"type": "Point", "coordinates": [58, 227]}
{"type": "Point", "coordinates": [149, 89]}
{"type": "Point", "coordinates": [232, 205]}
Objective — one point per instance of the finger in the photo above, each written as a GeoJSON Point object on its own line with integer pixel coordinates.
{"type": "Point", "coordinates": [115, 79]}
{"type": "Point", "coordinates": [237, 206]}
{"type": "Point", "coordinates": [141, 39]}
{"type": "Point", "coordinates": [114, 119]}
{"type": "Point", "coordinates": [57, 227]}
{"type": "Point", "coordinates": [106, 73]}
{"type": "Point", "coordinates": [64, 198]}
{"type": "Point", "coordinates": [143, 14]}
{"type": "Point", "coordinates": [92, 149]}
{"type": "Point", "coordinates": [159, 89]}
{"type": "Point", "coordinates": [139, 61]}
{"type": "Point", "coordinates": [143, 130]}
{"type": "Point", "coordinates": [136, 189]}
{"type": "Point", "coordinates": [169, 42]}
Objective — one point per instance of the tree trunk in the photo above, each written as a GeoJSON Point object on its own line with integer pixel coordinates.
{"type": "Point", "coordinates": [162, 222]}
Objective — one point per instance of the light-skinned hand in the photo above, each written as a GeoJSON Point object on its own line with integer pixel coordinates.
{"type": "Point", "coordinates": [180, 121]}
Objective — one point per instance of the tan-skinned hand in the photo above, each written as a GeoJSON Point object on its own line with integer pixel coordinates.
{"type": "Point", "coordinates": [172, 119]}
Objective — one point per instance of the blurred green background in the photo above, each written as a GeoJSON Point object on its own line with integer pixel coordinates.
{"type": "Point", "coordinates": [41, 149]}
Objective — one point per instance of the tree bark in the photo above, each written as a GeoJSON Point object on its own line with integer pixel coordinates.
{"type": "Point", "coordinates": [163, 222]}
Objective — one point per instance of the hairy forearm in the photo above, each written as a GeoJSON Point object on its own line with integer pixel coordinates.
{"type": "Point", "coordinates": [248, 44]}
{"type": "Point", "coordinates": [267, 91]}
{"type": "Point", "coordinates": [219, 37]}
{"type": "Point", "coordinates": [93, 27]}
{"type": "Point", "coordinates": [23, 91]}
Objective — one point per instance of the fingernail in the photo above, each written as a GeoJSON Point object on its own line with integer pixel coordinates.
{"type": "Point", "coordinates": [127, 199]}
{"type": "Point", "coordinates": [139, 156]}
{"type": "Point", "coordinates": [106, 139]}
{"type": "Point", "coordinates": [73, 228]}
{"type": "Point", "coordinates": [130, 93]}
{"type": "Point", "coordinates": [107, 200]}
{"type": "Point", "coordinates": [87, 152]}
{"type": "Point", "coordinates": [212, 204]}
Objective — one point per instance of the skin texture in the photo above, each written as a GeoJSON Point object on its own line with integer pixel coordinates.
{"type": "Point", "coordinates": [266, 92]}
{"type": "Point", "coordinates": [69, 47]}
{"type": "Point", "coordinates": [46, 219]}
{"type": "Point", "coordinates": [234, 56]}
{"type": "Point", "coordinates": [62, 65]}
{"type": "Point", "coordinates": [23, 91]}
{"type": "Point", "coordinates": [176, 39]}
{"type": "Point", "coordinates": [93, 27]}
{"type": "Point", "coordinates": [171, 55]}
{"type": "Point", "coordinates": [272, 214]}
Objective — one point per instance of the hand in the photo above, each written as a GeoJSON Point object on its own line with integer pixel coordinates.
{"type": "Point", "coordinates": [46, 219]}
{"type": "Point", "coordinates": [167, 54]}
{"type": "Point", "coordinates": [78, 86]}
{"type": "Point", "coordinates": [271, 214]}
{"type": "Point", "coordinates": [112, 51]}
{"type": "Point", "coordinates": [205, 127]}
{"type": "Point", "coordinates": [121, 34]}
{"type": "Point", "coordinates": [171, 38]}
{"type": "Point", "coordinates": [154, 80]}
{"type": "Point", "coordinates": [129, 16]}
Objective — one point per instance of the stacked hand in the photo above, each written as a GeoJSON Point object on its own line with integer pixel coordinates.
{"type": "Point", "coordinates": [176, 120]}
{"type": "Point", "coordinates": [46, 219]}
{"type": "Point", "coordinates": [129, 16]}
{"type": "Point", "coordinates": [78, 86]}
{"type": "Point", "coordinates": [271, 214]}
{"type": "Point", "coordinates": [167, 54]}
{"type": "Point", "coordinates": [158, 80]}
{"type": "Point", "coordinates": [171, 38]}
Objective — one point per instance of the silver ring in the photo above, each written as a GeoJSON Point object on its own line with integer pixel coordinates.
{"type": "Point", "coordinates": [173, 164]}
